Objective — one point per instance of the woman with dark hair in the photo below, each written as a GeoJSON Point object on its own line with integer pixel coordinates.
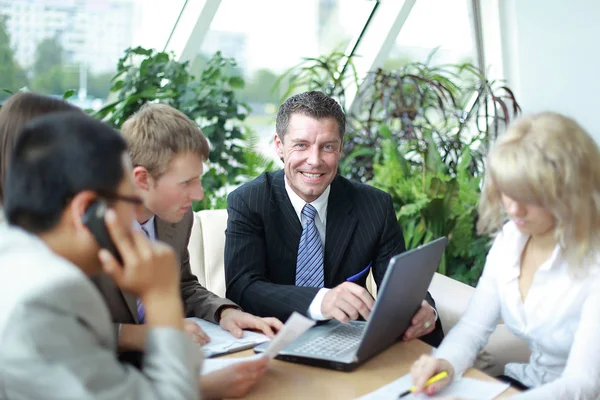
{"type": "Point", "coordinates": [15, 113]}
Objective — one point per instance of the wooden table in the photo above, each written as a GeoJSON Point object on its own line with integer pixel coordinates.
{"type": "Point", "coordinates": [285, 380]}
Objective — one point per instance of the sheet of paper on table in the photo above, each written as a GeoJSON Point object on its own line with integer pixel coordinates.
{"type": "Point", "coordinates": [214, 364]}
{"type": "Point", "coordinates": [223, 342]}
{"type": "Point", "coordinates": [295, 326]}
{"type": "Point", "coordinates": [464, 388]}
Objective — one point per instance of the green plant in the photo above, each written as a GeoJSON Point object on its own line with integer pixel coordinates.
{"type": "Point", "coordinates": [12, 76]}
{"type": "Point", "coordinates": [210, 99]}
{"type": "Point", "coordinates": [431, 203]}
{"type": "Point", "coordinates": [452, 106]}
{"type": "Point", "coordinates": [253, 164]}
{"type": "Point", "coordinates": [331, 74]}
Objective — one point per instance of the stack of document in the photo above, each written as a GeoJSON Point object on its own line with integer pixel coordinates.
{"type": "Point", "coordinates": [223, 342]}
{"type": "Point", "coordinates": [295, 326]}
{"type": "Point", "coordinates": [464, 388]}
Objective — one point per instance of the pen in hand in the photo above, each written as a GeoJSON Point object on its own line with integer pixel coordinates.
{"type": "Point", "coordinates": [433, 379]}
{"type": "Point", "coordinates": [364, 272]}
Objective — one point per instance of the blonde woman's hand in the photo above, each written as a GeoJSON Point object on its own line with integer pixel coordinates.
{"type": "Point", "coordinates": [426, 367]}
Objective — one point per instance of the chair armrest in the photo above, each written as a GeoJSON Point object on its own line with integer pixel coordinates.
{"type": "Point", "coordinates": [451, 299]}
{"type": "Point", "coordinates": [196, 250]}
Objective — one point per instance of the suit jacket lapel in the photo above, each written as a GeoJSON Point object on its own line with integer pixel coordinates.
{"type": "Point", "coordinates": [341, 224]}
{"type": "Point", "coordinates": [131, 302]}
{"type": "Point", "coordinates": [166, 232]}
{"type": "Point", "coordinates": [118, 301]}
{"type": "Point", "coordinates": [285, 216]}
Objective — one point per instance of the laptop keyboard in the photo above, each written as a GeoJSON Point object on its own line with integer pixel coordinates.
{"type": "Point", "coordinates": [338, 341]}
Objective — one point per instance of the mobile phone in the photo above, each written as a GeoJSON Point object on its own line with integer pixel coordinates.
{"type": "Point", "coordinates": [93, 218]}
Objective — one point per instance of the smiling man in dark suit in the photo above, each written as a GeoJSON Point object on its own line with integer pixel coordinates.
{"type": "Point", "coordinates": [295, 236]}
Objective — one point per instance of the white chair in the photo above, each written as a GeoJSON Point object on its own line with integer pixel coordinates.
{"type": "Point", "coordinates": [206, 247]}
{"type": "Point", "coordinates": [207, 244]}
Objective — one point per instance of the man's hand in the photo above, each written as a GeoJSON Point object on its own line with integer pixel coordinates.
{"type": "Point", "coordinates": [132, 337]}
{"type": "Point", "coordinates": [347, 302]}
{"type": "Point", "coordinates": [195, 332]}
{"type": "Point", "coordinates": [233, 381]}
{"type": "Point", "coordinates": [422, 323]}
{"type": "Point", "coordinates": [234, 321]}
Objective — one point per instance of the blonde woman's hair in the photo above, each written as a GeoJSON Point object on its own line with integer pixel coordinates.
{"type": "Point", "coordinates": [157, 133]}
{"type": "Point", "coordinates": [548, 160]}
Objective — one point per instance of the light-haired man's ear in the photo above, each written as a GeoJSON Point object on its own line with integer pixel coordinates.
{"type": "Point", "coordinates": [141, 178]}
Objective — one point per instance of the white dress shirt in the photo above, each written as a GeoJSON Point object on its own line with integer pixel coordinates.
{"type": "Point", "coordinates": [320, 204]}
{"type": "Point", "coordinates": [560, 320]}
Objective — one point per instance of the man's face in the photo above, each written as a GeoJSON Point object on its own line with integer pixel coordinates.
{"type": "Point", "coordinates": [171, 196]}
{"type": "Point", "coordinates": [311, 150]}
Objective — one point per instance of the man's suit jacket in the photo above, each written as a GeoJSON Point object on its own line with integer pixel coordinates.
{"type": "Point", "coordinates": [198, 301]}
{"type": "Point", "coordinates": [57, 341]}
{"type": "Point", "coordinates": [263, 234]}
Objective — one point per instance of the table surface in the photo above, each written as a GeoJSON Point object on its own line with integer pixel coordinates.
{"type": "Point", "coordinates": [285, 380]}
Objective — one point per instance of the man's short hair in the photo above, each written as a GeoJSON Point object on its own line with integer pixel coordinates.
{"type": "Point", "coordinates": [312, 104]}
{"type": "Point", "coordinates": [56, 157]}
{"type": "Point", "coordinates": [157, 133]}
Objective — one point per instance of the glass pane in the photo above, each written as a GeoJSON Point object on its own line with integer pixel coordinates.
{"type": "Point", "coordinates": [442, 24]}
{"type": "Point", "coordinates": [60, 45]}
{"type": "Point", "coordinates": [278, 36]}
{"type": "Point", "coordinates": [154, 22]}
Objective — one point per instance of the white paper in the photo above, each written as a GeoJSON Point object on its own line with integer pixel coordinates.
{"type": "Point", "coordinates": [295, 326]}
{"type": "Point", "coordinates": [213, 364]}
{"type": "Point", "coordinates": [464, 388]}
{"type": "Point", "coordinates": [223, 342]}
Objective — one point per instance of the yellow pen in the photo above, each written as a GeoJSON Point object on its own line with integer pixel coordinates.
{"type": "Point", "coordinates": [433, 379]}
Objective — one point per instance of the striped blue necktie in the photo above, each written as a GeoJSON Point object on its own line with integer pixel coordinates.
{"type": "Point", "coordinates": [309, 265]}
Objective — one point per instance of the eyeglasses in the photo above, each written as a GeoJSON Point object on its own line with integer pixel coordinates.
{"type": "Point", "coordinates": [121, 197]}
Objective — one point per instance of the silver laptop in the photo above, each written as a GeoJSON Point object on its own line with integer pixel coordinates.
{"type": "Point", "coordinates": [343, 347]}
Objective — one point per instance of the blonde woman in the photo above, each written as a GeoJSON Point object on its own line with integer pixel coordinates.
{"type": "Point", "coordinates": [541, 274]}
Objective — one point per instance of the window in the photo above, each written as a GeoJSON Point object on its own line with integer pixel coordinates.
{"type": "Point", "coordinates": [441, 24]}
{"type": "Point", "coordinates": [80, 38]}
{"type": "Point", "coordinates": [267, 37]}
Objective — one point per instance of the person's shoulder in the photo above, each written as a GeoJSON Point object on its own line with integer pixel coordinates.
{"type": "Point", "coordinates": [186, 222]}
{"type": "Point", "coordinates": [32, 272]}
{"type": "Point", "coordinates": [359, 190]}
{"type": "Point", "coordinates": [260, 184]}
{"type": "Point", "coordinates": [25, 254]}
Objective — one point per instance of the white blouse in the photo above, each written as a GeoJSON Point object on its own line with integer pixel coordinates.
{"type": "Point", "coordinates": [560, 320]}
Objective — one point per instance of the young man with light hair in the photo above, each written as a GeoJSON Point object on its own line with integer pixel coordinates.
{"type": "Point", "coordinates": [167, 151]}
